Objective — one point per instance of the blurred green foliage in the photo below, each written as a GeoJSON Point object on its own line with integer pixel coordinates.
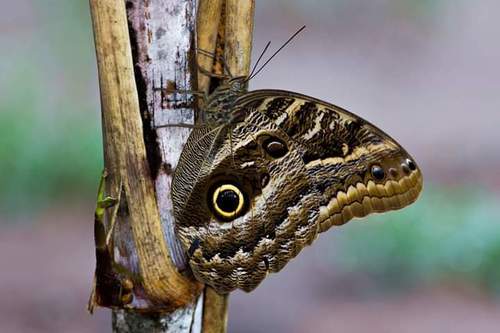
{"type": "Point", "coordinates": [50, 140]}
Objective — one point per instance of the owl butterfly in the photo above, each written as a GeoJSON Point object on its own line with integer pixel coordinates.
{"type": "Point", "coordinates": [258, 183]}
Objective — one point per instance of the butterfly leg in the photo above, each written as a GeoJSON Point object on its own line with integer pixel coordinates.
{"type": "Point", "coordinates": [210, 74]}
{"type": "Point", "coordinates": [200, 94]}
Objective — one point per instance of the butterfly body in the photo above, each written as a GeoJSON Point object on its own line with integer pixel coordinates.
{"type": "Point", "coordinates": [219, 108]}
{"type": "Point", "coordinates": [251, 192]}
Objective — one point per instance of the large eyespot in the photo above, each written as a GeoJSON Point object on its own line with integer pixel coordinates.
{"type": "Point", "coordinates": [275, 147]}
{"type": "Point", "coordinates": [227, 201]}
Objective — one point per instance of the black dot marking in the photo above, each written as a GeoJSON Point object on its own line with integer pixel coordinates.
{"type": "Point", "coordinates": [266, 262]}
{"type": "Point", "coordinates": [194, 246]}
{"type": "Point", "coordinates": [377, 172]}
{"type": "Point", "coordinates": [251, 145]}
{"type": "Point", "coordinates": [228, 201]}
{"type": "Point", "coordinates": [411, 164]}
{"type": "Point", "coordinates": [275, 148]}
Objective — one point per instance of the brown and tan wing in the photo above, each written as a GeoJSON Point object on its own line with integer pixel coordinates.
{"type": "Point", "coordinates": [292, 168]}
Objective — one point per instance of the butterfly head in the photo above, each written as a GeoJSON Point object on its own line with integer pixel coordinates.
{"type": "Point", "coordinates": [238, 84]}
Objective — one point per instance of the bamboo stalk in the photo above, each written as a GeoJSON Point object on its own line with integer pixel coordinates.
{"type": "Point", "coordinates": [237, 25]}
{"type": "Point", "coordinates": [239, 33]}
{"type": "Point", "coordinates": [215, 313]}
{"type": "Point", "coordinates": [207, 25]}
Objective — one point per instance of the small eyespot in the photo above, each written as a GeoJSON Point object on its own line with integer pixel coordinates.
{"type": "Point", "coordinates": [275, 148]}
{"type": "Point", "coordinates": [405, 168]}
{"type": "Point", "coordinates": [377, 172]}
{"type": "Point", "coordinates": [411, 164]}
{"type": "Point", "coordinates": [228, 201]}
{"type": "Point", "coordinates": [393, 172]}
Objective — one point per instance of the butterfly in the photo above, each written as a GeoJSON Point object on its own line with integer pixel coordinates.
{"type": "Point", "coordinates": [268, 171]}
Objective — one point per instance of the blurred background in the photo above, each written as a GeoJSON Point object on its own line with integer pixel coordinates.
{"type": "Point", "coordinates": [424, 71]}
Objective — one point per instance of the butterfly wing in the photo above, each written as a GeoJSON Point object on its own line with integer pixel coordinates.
{"type": "Point", "coordinates": [294, 167]}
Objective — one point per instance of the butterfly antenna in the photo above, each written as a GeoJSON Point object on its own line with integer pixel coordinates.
{"type": "Point", "coordinates": [277, 51]}
{"type": "Point", "coordinates": [259, 59]}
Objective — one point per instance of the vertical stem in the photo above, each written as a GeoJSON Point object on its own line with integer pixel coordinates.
{"type": "Point", "coordinates": [207, 25]}
{"type": "Point", "coordinates": [215, 312]}
{"type": "Point", "coordinates": [237, 41]}
{"type": "Point", "coordinates": [239, 33]}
